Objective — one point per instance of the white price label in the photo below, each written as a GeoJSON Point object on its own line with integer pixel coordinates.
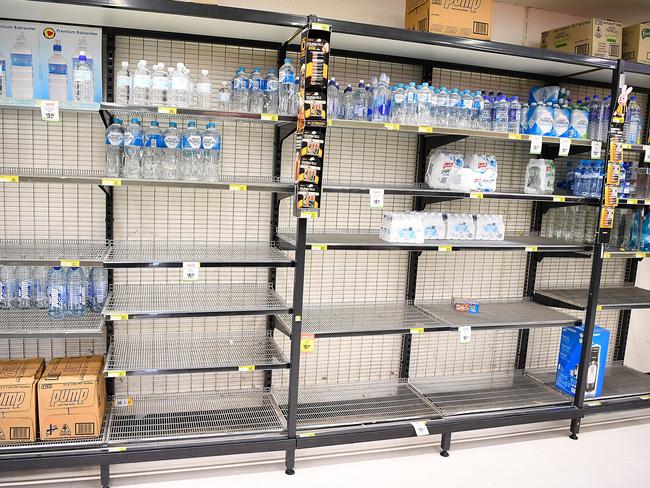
{"type": "Point", "coordinates": [191, 271]}
{"type": "Point", "coordinates": [535, 144]}
{"type": "Point", "coordinates": [596, 149]}
{"type": "Point", "coordinates": [646, 158]}
{"type": "Point", "coordinates": [565, 146]}
{"type": "Point", "coordinates": [465, 334]}
{"type": "Point", "coordinates": [420, 428]}
{"type": "Point", "coordinates": [50, 110]}
{"type": "Point", "coordinates": [376, 198]}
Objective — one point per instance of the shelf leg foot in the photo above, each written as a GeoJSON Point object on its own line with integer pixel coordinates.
{"type": "Point", "coordinates": [105, 475]}
{"type": "Point", "coordinates": [290, 462]}
{"type": "Point", "coordinates": [575, 429]}
{"type": "Point", "coordinates": [445, 444]}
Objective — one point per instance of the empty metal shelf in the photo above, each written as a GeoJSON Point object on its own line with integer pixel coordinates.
{"type": "Point", "coordinates": [191, 415]}
{"type": "Point", "coordinates": [358, 403]}
{"type": "Point", "coordinates": [612, 298]}
{"type": "Point", "coordinates": [454, 395]}
{"type": "Point", "coordinates": [35, 322]}
{"type": "Point", "coordinates": [178, 352]}
{"type": "Point", "coordinates": [187, 300]}
{"type": "Point", "coordinates": [50, 252]}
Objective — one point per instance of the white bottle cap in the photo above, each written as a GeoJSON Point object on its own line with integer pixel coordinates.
{"type": "Point", "coordinates": [179, 65]}
{"type": "Point", "coordinates": [161, 65]}
{"type": "Point", "coordinates": [142, 63]}
{"type": "Point", "coordinates": [82, 53]}
{"type": "Point", "coordinates": [125, 64]}
{"type": "Point", "coordinates": [170, 70]}
{"type": "Point", "coordinates": [204, 72]}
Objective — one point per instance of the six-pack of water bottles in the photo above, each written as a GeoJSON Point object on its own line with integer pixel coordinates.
{"type": "Point", "coordinates": [62, 291]}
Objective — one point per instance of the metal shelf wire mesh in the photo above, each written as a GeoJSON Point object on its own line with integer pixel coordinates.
{"type": "Point", "coordinates": [35, 322]}
{"type": "Point", "coordinates": [145, 299]}
{"type": "Point", "coordinates": [190, 415]}
{"type": "Point", "coordinates": [192, 351]}
{"type": "Point", "coordinates": [358, 403]}
{"type": "Point", "coordinates": [52, 251]}
{"type": "Point", "coordinates": [614, 298]}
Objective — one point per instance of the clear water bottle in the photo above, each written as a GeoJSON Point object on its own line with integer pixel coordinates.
{"type": "Point", "coordinates": [523, 119]}
{"type": "Point", "coordinates": [359, 102]}
{"type": "Point", "coordinates": [57, 77]}
{"type": "Point", "coordinates": [159, 86]}
{"type": "Point", "coordinates": [190, 166]}
{"type": "Point", "coordinates": [486, 114]}
{"type": "Point", "coordinates": [501, 109]}
{"type": "Point", "coordinates": [141, 84]}
{"type": "Point", "coordinates": [514, 116]}
{"type": "Point", "coordinates": [82, 45]}
{"type": "Point", "coordinates": [594, 118]}
{"type": "Point", "coordinates": [133, 142]}
{"type": "Point", "coordinates": [333, 99]}
{"type": "Point", "coordinates": [7, 286]}
{"type": "Point", "coordinates": [223, 97]}
{"type": "Point", "coordinates": [211, 146]}
{"type": "Point", "coordinates": [191, 92]}
{"type": "Point", "coordinates": [75, 292]}
{"type": "Point", "coordinates": [256, 95]}
{"type": "Point", "coordinates": [381, 99]}
{"type": "Point", "coordinates": [397, 104]}
{"type": "Point", "coordinates": [411, 105]}
{"type": "Point", "coordinates": [424, 105]}
{"type": "Point", "coordinates": [442, 108]}
{"type": "Point", "coordinates": [22, 69]}
{"type": "Point", "coordinates": [295, 100]}
{"type": "Point", "coordinates": [453, 109]}
{"type": "Point", "coordinates": [25, 286]}
{"type": "Point", "coordinates": [477, 106]}
{"type": "Point", "coordinates": [466, 103]}
{"type": "Point", "coordinates": [99, 285]}
{"type": "Point", "coordinates": [271, 92]}
{"type": "Point", "coordinates": [172, 141]}
{"type": "Point", "coordinates": [56, 292]}
{"type": "Point", "coordinates": [179, 93]}
{"type": "Point", "coordinates": [3, 76]}
{"type": "Point", "coordinates": [605, 115]}
{"type": "Point", "coordinates": [114, 148]}
{"type": "Point", "coordinates": [632, 127]}
{"type": "Point", "coordinates": [240, 90]}
{"type": "Point", "coordinates": [123, 85]}
{"type": "Point", "coordinates": [153, 153]}
{"type": "Point", "coordinates": [370, 97]}
{"type": "Point", "coordinates": [597, 179]}
{"type": "Point", "coordinates": [82, 81]}
{"type": "Point", "coordinates": [347, 103]}
{"type": "Point", "coordinates": [287, 77]}
{"type": "Point", "coordinates": [204, 91]}
{"type": "Point", "coordinates": [40, 286]}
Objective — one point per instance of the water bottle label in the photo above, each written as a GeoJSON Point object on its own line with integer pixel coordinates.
{"type": "Point", "coordinates": [82, 295]}
{"type": "Point", "coordinates": [359, 111]}
{"type": "Point", "coordinates": [287, 77]}
{"type": "Point", "coordinates": [411, 97]}
{"type": "Point", "coordinates": [142, 81]}
{"type": "Point", "coordinates": [160, 83]}
{"type": "Point", "coordinates": [423, 97]}
{"type": "Point", "coordinates": [21, 60]}
{"type": "Point", "coordinates": [3, 291]}
{"type": "Point", "coordinates": [115, 139]}
{"type": "Point", "coordinates": [192, 142]}
{"type": "Point", "coordinates": [131, 139]}
{"type": "Point", "coordinates": [124, 80]}
{"type": "Point", "coordinates": [82, 75]}
{"type": "Point", "coordinates": [172, 141]}
{"type": "Point", "coordinates": [55, 298]}
{"type": "Point", "coordinates": [57, 69]}
{"type": "Point", "coordinates": [468, 103]}
{"type": "Point", "coordinates": [271, 85]}
{"type": "Point", "coordinates": [209, 142]}
{"type": "Point", "coordinates": [75, 62]}
{"type": "Point", "coordinates": [398, 98]}
{"type": "Point", "coordinates": [204, 88]}
{"type": "Point", "coordinates": [224, 96]}
{"type": "Point", "coordinates": [155, 140]}
{"type": "Point", "coordinates": [25, 290]}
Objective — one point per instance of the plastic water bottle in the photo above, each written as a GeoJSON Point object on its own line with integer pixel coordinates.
{"type": "Point", "coordinates": [287, 78]}
{"type": "Point", "coordinates": [160, 82]}
{"type": "Point", "coordinates": [271, 92]}
{"type": "Point", "coordinates": [632, 127]}
{"type": "Point", "coordinates": [381, 99]}
{"type": "Point", "coordinates": [466, 103]}
{"type": "Point", "coordinates": [223, 97]}
{"type": "Point", "coordinates": [370, 96]}
{"type": "Point", "coordinates": [453, 108]}
{"type": "Point", "coordinates": [180, 88]}
{"type": "Point", "coordinates": [114, 148]}
{"type": "Point", "coordinates": [40, 286]}
{"type": "Point", "coordinates": [82, 81]}
{"type": "Point", "coordinates": [190, 166]}
{"type": "Point", "coordinates": [191, 93]}
{"type": "Point", "coordinates": [123, 85]}
{"type": "Point", "coordinates": [295, 100]}
{"type": "Point", "coordinates": [346, 103]}
{"type": "Point", "coordinates": [7, 286]}
{"type": "Point", "coordinates": [75, 292]}
{"type": "Point", "coordinates": [211, 145]}
{"type": "Point", "coordinates": [22, 69]}
{"type": "Point", "coordinates": [141, 84]}
{"type": "Point", "coordinates": [133, 142]}
{"type": "Point", "coordinates": [359, 102]}
{"type": "Point", "coordinates": [172, 144]}
{"type": "Point", "coordinates": [82, 45]}
{"type": "Point", "coordinates": [57, 77]}
{"type": "Point", "coordinates": [442, 108]}
{"type": "Point", "coordinates": [398, 105]}
{"type": "Point", "coordinates": [333, 99]}
{"type": "Point", "coordinates": [604, 122]}
{"type": "Point", "coordinates": [411, 105]}
{"type": "Point", "coordinates": [99, 285]}
{"type": "Point", "coordinates": [56, 292]}
{"type": "Point", "coordinates": [594, 118]}
{"type": "Point", "coordinates": [240, 85]}
{"type": "Point", "coordinates": [424, 105]}
{"type": "Point", "coordinates": [477, 106]}
{"type": "Point", "coordinates": [204, 91]}
{"type": "Point", "coordinates": [523, 119]}
{"type": "Point", "coordinates": [3, 76]}
{"type": "Point", "coordinates": [486, 114]}
{"type": "Point", "coordinates": [25, 286]}
{"type": "Point", "coordinates": [153, 153]}
{"type": "Point", "coordinates": [514, 116]}
{"type": "Point", "coordinates": [597, 179]}
{"type": "Point", "coordinates": [256, 95]}
{"type": "Point", "coordinates": [500, 119]}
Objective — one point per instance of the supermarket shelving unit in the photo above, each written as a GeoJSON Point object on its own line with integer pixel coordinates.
{"type": "Point", "coordinates": [392, 366]}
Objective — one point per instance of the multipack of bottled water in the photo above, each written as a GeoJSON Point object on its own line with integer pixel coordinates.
{"type": "Point", "coordinates": [453, 171]}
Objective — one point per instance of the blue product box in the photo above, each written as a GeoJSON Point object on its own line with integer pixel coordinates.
{"type": "Point", "coordinates": [566, 376]}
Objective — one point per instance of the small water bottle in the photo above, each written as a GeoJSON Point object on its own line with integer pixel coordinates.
{"type": "Point", "coordinates": [133, 142]}
{"type": "Point", "coordinates": [359, 102]}
{"type": "Point", "coordinates": [485, 116]}
{"type": "Point", "coordinates": [346, 103]}
{"type": "Point", "coordinates": [256, 94]}
{"type": "Point", "coordinates": [123, 85]}
{"type": "Point", "coordinates": [514, 116]}
{"type": "Point", "coordinates": [190, 167]}
{"type": "Point", "coordinates": [7, 286]}
{"type": "Point", "coordinates": [180, 94]}
{"type": "Point", "coordinates": [411, 105]}
{"type": "Point", "coordinates": [75, 292]}
{"type": "Point", "coordinates": [223, 97]}
{"type": "Point", "coordinates": [82, 81]}
{"type": "Point", "coordinates": [153, 152]}
{"type": "Point", "coordinates": [424, 105]}
{"type": "Point", "coordinates": [114, 148]}
{"type": "Point", "coordinates": [56, 292]}
{"type": "Point", "coordinates": [172, 144]}
{"type": "Point", "coordinates": [211, 145]}
{"type": "Point", "coordinates": [271, 92]}
{"type": "Point", "coordinates": [501, 108]}
{"type": "Point", "coordinates": [453, 109]}
{"type": "Point", "coordinates": [240, 90]}
{"type": "Point", "coordinates": [467, 101]}
{"type": "Point", "coordinates": [141, 84]}
{"type": "Point", "coordinates": [287, 76]}
{"type": "Point", "coordinates": [57, 77]}
{"type": "Point", "coordinates": [594, 118]}
{"type": "Point", "coordinates": [442, 108]}
{"type": "Point", "coordinates": [204, 91]}
{"type": "Point", "coordinates": [381, 99]}
{"type": "Point", "coordinates": [99, 285]}
{"type": "Point", "coordinates": [25, 286]}
{"type": "Point", "coordinates": [40, 286]}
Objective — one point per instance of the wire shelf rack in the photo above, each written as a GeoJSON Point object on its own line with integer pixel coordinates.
{"type": "Point", "coordinates": [52, 251]}
{"type": "Point", "coordinates": [454, 395]}
{"type": "Point", "coordinates": [35, 104]}
{"type": "Point", "coordinates": [192, 415]}
{"type": "Point", "coordinates": [358, 403]}
{"type": "Point", "coordinates": [174, 253]}
{"type": "Point", "coordinates": [610, 298]}
{"type": "Point", "coordinates": [193, 351]}
{"type": "Point", "coordinates": [145, 300]}
{"type": "Point", "coordinates": [35, 322]}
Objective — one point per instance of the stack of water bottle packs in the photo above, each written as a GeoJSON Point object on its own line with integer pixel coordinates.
{"type": "Point", "coordinates": [416, 227]}
{"type": "Point", "coordinates": [62, 291]}
{"type": "Point", "coordinates": [453, 171]}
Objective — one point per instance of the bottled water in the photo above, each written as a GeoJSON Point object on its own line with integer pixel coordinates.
{"type": "Point", "coordinates": [381, 99]}
{"type": "Point", "coordinates": [477, 107]}
{"type": "Point", "coordinates": [133, 142]}
{"type": "Point", "coordinates": [287, 76]}
{"type": "Point", "coordinates": [523, 119]}
{"type": "Point", "coordinates": [3, 76]}
{"type": "Point", "coordinates": [190, 166]}
{"type": "Point", "coordinates": [75, 292]}
{"type": "Point", "coordinates": [596, 179]}
{"type": "Point", "coordinates": [398, 104]}
{"type": "Point", "coordinates": [442, 108]}
{"type": "Point", "coordinates": [467, 101]}
{"type": "Point", "coordinates": [370, 96]}
{"type": "Point", "coordinates": [411, 105]}
{"type": "Point", "coordinates": [172, 144]}
{"type": "Point", "coordinates": [153, 154]}
{"type": "Point", "coordinates": [223, 97]}
{"type": "Point", "coordinates": [141, 84]}
{"type": "Point", "coordinates": [347, 102]}
{"type": "Point", "coordinates": [123, 85]}
{"type": "Point", "coordinates": [82, 45]}
{"type": "Point", "coordinates": [256, 95]}
{"type": "Point", "coordinates": [191, 94]}
{"type": "Point", "coordinates": [22, 69]}
{"type": "Point", "coordinates": [632, 127]}
{"type": "Point", "coordinates": [271, 92]}
{"type": "Point", "coordinates": [514, 116]}
{"type": "Point", "coordinates": [359, 102]}
{"type": "Point", "coordinates": [424, 105]}
{"type": "Point", "coordinates": [500, 120]}
{"type": "Point", "coordinates": [333, 99]}
{"type": "Point", "coordinates": [240, 85]}
{"type": "Point", "coordinates": [56, 292]}
{"type": "Point", "coordinates": [204, 91]}
{"type": "Point", "coordinates": [211, 144]}
{"type": "Point", "coordinates": [159, 86]}
{"type": "Point", "coordinates": [594, 118]}
{"type": "Point", "coordinates": [82, 81]}
{"type": "Point", "coordinates": [179, 94]}
{"type": "Point", "coordinates": [25, 286]}
{"type": "Point", "coordinates": [485, 116]}
{"type": "Point", "coordinates": [605, 119]}
{"type": "Point", "coordinates": [7, 286]}
{"type": "Point", "coordinates": [453, 109]}
{"type": "Point", "coordinates": [295, 100]}
{"type": "Point", "coordinates": [57, 77]}
{"type": "Point", "coordinates": [40, 286]}
{"type": "Point", "coordinates": [114, 148]}
{"type": "Point", "coordinates": [98, 280]}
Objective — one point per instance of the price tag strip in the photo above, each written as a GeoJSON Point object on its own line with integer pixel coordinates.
{"type": "Point", "coordinates": [565, 146]}
{"type": "Point", "coordinates": [50, 110]}
{"type": "Point", "coordinates": [535, 144]}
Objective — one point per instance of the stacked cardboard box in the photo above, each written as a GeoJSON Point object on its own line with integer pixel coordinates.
{"type": "Point", "coordinates": [18, 379]}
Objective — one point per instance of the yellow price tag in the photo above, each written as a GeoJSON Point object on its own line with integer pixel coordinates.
{"type": "Point", "coordinates": [627, 146]}
{"type": "Point", "coordinates": [308, 215]}
{"type": "Point", "coordinates": [307, 342]}
{"type": "Point", "coordinates": [640, 255]}
{"type": "Point", "coordinates": [123, 402]}
{"type": "Point", "coordinates": [167, 110]}
{"type": "Point", "coordinates": [9, 179]}
{"type": "Point", "coordinates": [69, 263]}
{"type": "Point", "coordinates": [607, 255]}
{"type": "Point", "coordinates": [329, 122]}
{"type": "Point", "coordinates": [594, 404]}
{"type": "Point", "coordinates": [425, 128]}
{"type": "Point", "coordinates": [111, 182]}
{"type": "Point", "coordinates": [391, 126]}
{"type": "Point", "coordinates": [307, 434]}
{"type": "Point", "coordinates": [417, 330]}
{"type": "Point", "coordinates": [632, 201]}
{"type": "Point", "coordinates": [246, 369]}
{"type": "Point", "coordinates": [117, 449]}
{"type": "Point", "coordinates": [599, 308]}
{"type": "Point", "coordinates": [319, 247]}
{"type": "Point", "coordinates": [476, 195]}
{"type": "Point", "coordinates": [514, 136]}
{"type": "Point", "coordinates": [444, 248]}
{"type": "Point", "coordinates": [319, 26]}
{"type": "Point", "coordinates": [238, 187]}
{"type": "Point", "coordinates": [119, 316]}
{"type": "Point", "coordinates": [115, 374]}
{"type": "Point", "coordinates": [559, 199]}
{"type": "Point", "coordinates": [273, 117]}
{"type": "Point", "coordinates": [531, 248]}
{"type": "Point", "coordinates": [645, 397]}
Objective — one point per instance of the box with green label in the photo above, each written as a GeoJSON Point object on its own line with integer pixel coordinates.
{"type": "Point", "coordinates": [636, 43]}
{"type": "Point", "coordinates": [596, 37]}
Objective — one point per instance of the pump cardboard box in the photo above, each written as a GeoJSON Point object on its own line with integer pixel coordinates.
{"type": "Point", "coordinates": [636, 43]}
{"type": "Point", "coordinates": [72, 398]}
{"type": "Point", "coordinates": [595, 37]}
{"type": "Point", "coordinates": [18, 379]}
{"type": "Point", "coordinates": [466, 18]}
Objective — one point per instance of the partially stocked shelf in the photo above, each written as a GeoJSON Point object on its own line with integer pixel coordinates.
{"type": "Point", "coordinates": [53, 252]}
{"type": "Point", "coordinates": [609, 298]}
{"type": "Point", "coordinates": [36, 322]}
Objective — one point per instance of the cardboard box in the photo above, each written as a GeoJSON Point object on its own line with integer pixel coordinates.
{"type": "Point", "coordinates": [566, 376]}
{"type": "Point", "coordinates": [636, 43]}
{"type": "Point", "coordinates": [18, 379]}
{"type": "Point", "coordinates": [72, 398]}
{"type": "Point", "coordinates": [465, 18]}
{"type": "Point", "coordinates": [596, 37]}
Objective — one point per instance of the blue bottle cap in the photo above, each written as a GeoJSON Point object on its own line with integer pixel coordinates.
{"type": "Point", "coordinates": [173, 124]}
{"type": "Point", "coordinates": [135, 120]}
{"type": "Point", "coordinates": [154, 123]}
{"type": "Point", "coordinates": [82, 57]}
{"type": "Point", "coordinates": [210, 125]}
{"type": "Point", "coordinates": [191, 123]}
{"type": "Point", "coordinates": [117, 121]}
{"type": "Point", "coordinates": [57, 48]}
{"type": "Point", "coordinates": [287, 60]}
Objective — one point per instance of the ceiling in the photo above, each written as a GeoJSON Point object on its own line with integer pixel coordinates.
{"type": "Point", "coordinates": [625, 11]}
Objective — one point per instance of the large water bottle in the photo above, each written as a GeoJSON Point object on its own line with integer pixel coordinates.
{"type": "Point", "coordinates": [190, 166]}
{"type": "Point", "coordinates": [287, 78]}
{"type": "Point", "coordinates": [240, 84]}
{"type": "Point", "coordinates": [133, 142]}
{"type": "Point", "coordinates": [333, 99]}
{"type": "Point", "coordinates": [7, 286]}
{"type": "Point", "coordinates": [56, 292]}
{"type": "Point", "coordinates": [359, 102]}
{"type": "Point", "coordinates": [453, 108]}
{"type": "Point", "coordinates": [22, 69]}
{"type": "Point", "coordinates": [25, 287]}
{"type": "Point", "coordinates": [424, 105]}
{"type": "Point", "coordinates": [605, 115]}
{"type": "Point", "coordinates": [441, 111]}
{"type": "Point", "coordinates": [346, 103]}
{"type": "Point", "coordinates": [160, 82]}
{"type": "Point", "coordinates": [179, 93]}
{"type": "Point", "coordinates": [114, 148]}
{"type": "Point", "coordinates": [256, 95]}
{"type": "Point", "coordinates": [477, 106]}
{"type": "Point", "coordinates": [485, 117]}
{"type": "Point", "coordinates": [381, 100]}
{"type": "Point", "coordinates": [75, 292]}
{"type": "Point", "coordinates": [172, 140]}
{"type": "Point", "coordinates": [500, 120]}
{"type": "Point", "coordinates": [398, 104]}
{"type": "Point", "coordinates": [3, 76]}
{"type": "Point", "coordinates": [466, 103]}
{"type": "Point", "coordinates": [514, 116]}
{"type": "Point", "coordinates": [141, 84]}
{"type": "Point", "coordinates": [295, 100]}
{"type": "Point", "coordinates": [411, 105]}
{"type": "Point", "coordinates": [370, 96]}
{"type": "Point", "coordinates": [204, 91]}
{"type": "Point", "coordinates": [40, 286]}
{"type": "Point", "coordinates": [82, 81]}
{"type": "Point", "coordinates": [594, 118]}
{"type": "Point", "coordinates": [271, 92]}
{"type": "Point", "coordinates": [57, 77]}
{"type": "Point", "coordinates": [211, 144]}
{"type": "Point", "coordinates": [523, 119]}
{"type": "Point", "coordinates": [191, 93]}
{"type": "Point", "coordinates": [123, 85]}
{"type": "Point", "coordinates": [632, 127]}
{"type": "Point", "coordinates": [223, 97]}
{"type": "Point", "coordinates": [153, 153]}
{"type": "Point", "coordinates": [99, 285]}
